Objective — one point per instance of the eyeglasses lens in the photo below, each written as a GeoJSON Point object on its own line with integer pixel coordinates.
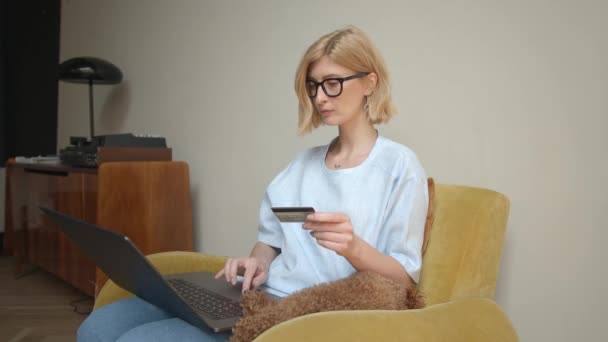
{"type": "Point", "coordinates": [330, 87]}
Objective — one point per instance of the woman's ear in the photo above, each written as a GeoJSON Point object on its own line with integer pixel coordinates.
{"type": "Point", "coordinates": [371, 81]}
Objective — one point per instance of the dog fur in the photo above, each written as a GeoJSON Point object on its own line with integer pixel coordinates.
{"type": "Point", "coordinates": [360, 291]}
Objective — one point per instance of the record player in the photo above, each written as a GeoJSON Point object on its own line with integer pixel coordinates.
{"type": "Point", "coordinates": [114, 147]}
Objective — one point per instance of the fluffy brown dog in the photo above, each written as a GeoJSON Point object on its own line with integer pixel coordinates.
{"type": "Point", "coordinates": [360, 291]}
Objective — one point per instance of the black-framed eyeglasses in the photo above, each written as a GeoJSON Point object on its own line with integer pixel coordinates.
{"type": "Point", "coordinates": [332, 87]}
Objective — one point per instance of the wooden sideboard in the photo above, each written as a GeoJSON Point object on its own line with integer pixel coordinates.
{"type": "Point", "coordinates": [148, 201]}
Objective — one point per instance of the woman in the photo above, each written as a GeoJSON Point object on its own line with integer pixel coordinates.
{"type": "Point", "coordinates": [369, 192]}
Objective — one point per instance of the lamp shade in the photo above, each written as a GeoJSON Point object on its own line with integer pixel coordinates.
{"type": "Point", "coordinates": [87, 69]}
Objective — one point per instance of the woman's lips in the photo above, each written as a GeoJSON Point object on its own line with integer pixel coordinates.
{"type": "Point", "coordinates": [326, 111]}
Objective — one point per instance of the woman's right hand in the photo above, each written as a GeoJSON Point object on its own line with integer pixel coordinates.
{"type": "Point", "coordinates": [253, 270]}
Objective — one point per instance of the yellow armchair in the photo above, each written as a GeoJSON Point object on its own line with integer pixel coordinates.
{"type": "Point", "coordinates": [458, 279]}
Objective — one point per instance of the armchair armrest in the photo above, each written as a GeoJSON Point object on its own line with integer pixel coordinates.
{"type": "Point", "coordinates": [473, 319]}
{"type": "Point", "coordinates": [165, 263]}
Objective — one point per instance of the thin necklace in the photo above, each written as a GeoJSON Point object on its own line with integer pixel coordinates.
{"type": "Point", "coordinates": [337, 166]}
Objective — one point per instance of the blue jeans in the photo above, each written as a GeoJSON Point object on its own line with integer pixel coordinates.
{"type": "Point", "coordinates": [134, 319]}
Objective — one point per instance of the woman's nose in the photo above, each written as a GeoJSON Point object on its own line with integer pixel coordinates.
{"type": "Point", "coordinates": [321, 97]}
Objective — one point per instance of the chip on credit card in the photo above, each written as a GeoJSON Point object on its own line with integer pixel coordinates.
{"type": "Point", "coordinates": [292, 214]}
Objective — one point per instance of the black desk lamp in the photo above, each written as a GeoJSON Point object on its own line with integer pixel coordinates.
{"type": "Point", "coordinates": [89, 70]}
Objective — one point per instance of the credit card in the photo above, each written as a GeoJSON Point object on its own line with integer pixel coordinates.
{"type": "Point", "coordinates": [292, 214]}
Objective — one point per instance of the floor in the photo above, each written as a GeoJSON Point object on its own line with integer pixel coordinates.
{"type": "Point", "coordinates": [37, 306]}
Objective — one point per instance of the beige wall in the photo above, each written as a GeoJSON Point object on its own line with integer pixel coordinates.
{"type": "Point", "coordinates": [505, 95]}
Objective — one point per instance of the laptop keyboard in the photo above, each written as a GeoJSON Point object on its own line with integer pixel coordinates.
{"type": "Point", "coordinates": [205, 301]}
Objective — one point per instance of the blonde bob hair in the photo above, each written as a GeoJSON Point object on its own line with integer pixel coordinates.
{"type": "Point", "coordinates": [351, 48]}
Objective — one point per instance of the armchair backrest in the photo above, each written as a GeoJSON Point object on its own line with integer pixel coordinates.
{"type": "Point", "coordinates": [465, 244]}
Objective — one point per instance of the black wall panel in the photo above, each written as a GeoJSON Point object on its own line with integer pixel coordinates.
{"type": "Point", "coordinates": [29, 43]}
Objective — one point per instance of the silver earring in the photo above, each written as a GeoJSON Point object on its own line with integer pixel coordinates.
{"type": "Point", "coordinates": [366, 106]}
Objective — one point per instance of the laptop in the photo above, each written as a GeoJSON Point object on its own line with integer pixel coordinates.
{"type": "Point", "coordinates": [197, 298]}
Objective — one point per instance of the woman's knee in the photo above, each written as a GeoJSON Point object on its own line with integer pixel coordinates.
{"type": "Point", "coordinates": [110, 322]}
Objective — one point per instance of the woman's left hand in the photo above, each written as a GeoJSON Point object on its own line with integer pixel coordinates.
{"type": "Point", "coordinates": [333, 231]}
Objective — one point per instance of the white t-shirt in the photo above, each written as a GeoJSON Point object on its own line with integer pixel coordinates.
{"type": "Point", "coordinates": [386, 198]}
